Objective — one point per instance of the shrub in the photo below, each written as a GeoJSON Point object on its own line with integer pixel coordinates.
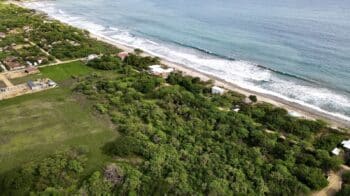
{"type": "Point", "coordinates": [122, 146]}
{"type": "Point", "coordinates": [105, 63]}
{"type": "Point", "coordinates": [253, 98]}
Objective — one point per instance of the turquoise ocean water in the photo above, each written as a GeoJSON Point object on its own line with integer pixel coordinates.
{"type": "Point", "coordinates": [296, 49]}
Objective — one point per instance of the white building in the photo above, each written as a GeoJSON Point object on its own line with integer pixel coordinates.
{"type": "Point", "coordinates": [346, 144]}
{"type": "Point", "coordinates": [41, 84]}
{"type": "Point", "coordinates": [158, 70]}
{"type": "Point", "coordinates": [295, 114]}
{"type": "Point", "coordinates": [29, 63]}
{"type": "Point", "coordinates": [52, 83]}
{"type": "Point", "coordinates": [217, 90]}
{"type": "Point", "coordinates": [92, 57]}
{"type": "Point", "coordinates": [34, 85]}
{"type": "Point", "coordinates": [236, 110]}
{"type": "Point", "coordinates": [247, 100]}
{"type": "Point", "coordinates": [336, 151]}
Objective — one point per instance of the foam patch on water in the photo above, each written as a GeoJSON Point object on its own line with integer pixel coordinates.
{"type": "Point", "coordinates": [242, 73]}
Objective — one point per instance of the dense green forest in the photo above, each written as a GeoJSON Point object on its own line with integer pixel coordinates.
{"type": "Point", "coordinates": [176, 138]}
{"type": "Point", "coordinates": [184, 140]}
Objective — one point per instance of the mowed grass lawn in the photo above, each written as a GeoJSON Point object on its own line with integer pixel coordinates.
{"type": "Point", "coordinates": [35, 125]}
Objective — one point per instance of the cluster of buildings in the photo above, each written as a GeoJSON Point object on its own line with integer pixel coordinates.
{"type": "Point", "coordinates": [345, 145]}
{"type": "Point", "coordinates": [38, 61]}
{"type": "Point", "coordinates": [13, 64]}
{"type": "Point", "coordinates": [16, 67]}
{"type": "Point", "coordinates": [26, 88]}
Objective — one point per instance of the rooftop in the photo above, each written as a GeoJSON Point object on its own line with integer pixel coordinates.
{"type": "Point", "coordinates": [12, 63]}
{"type": "Point", "coordinates": [217, 90]}
{"type": "Point", "coordinates": [122, 55]}
{"type": "Point", "coordinates": [31, 69]}
{"type": "Point", "coordinates": [346, 144]}
{"type": "Point", "coordinates": [336, 151]}
{"type": "Point", "coordinates": [92, 57]}
{"type": "Point", "coordinates": [159, 70]}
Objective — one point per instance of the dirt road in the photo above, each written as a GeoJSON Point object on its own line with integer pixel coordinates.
{"type": "Point", "coordinates": [335, 182]}
{"type": "Point", "coordinates": [6, 81]}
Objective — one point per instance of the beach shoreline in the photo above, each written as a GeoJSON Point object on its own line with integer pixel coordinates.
{"type": "Point", "coordinates": [302, 110]}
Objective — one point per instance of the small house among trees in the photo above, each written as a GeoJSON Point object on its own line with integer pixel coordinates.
{"type": "Point", "coordinates": [217, 90]}
{"type": "Point", "coordinates": [158, 70]}
{"type": "Point", "coordinates": [123, 55]}
{"type": "Point", "coordinates": [336, 151]}
{"type": "Point", "coordinates": [92, 57]}
{"type": "Point", "coordinates": [346, 144]}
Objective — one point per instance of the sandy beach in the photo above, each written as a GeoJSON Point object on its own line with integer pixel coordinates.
{"type": "Point", "coordinates": [302, 110]}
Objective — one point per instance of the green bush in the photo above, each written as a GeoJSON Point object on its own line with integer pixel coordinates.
{"type": "Point", "coordinates": [253, 98]}
{"type": "Point", "coordinates": [105, 63]}
{"type": "Point", "coordinates": [346, 177]}
{"type": "Point", "coordinates": [123, 146]}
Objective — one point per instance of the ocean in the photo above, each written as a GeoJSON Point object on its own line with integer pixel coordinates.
{"type": "Point", "coordinates": [295, 49]}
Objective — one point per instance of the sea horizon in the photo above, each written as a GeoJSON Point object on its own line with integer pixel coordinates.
{"type": "Point", "coordinates": [313, 72]}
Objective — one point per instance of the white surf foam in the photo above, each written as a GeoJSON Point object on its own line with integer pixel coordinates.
{"type": "Point", "coordinates": [242, 73]}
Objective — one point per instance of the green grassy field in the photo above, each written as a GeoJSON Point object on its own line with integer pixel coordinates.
{"type": "Point", "coordinates": [66, 71]}
{"type": "Point", "coordinates": [33, 126]}
{"type": "Point", "coordinates": [57, 73]}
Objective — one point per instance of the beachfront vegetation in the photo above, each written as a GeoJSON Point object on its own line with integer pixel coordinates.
{"type": "Point", "coordinates": [253, 98]}
{"type": "Point", "coordinates": [119, 130]}
{"type": "Point", "coordinates": [140, 62]}
{"type": "Point", "coordinates": [190, 145]}
{"type": "Point", "coordinates": [105, 63]}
